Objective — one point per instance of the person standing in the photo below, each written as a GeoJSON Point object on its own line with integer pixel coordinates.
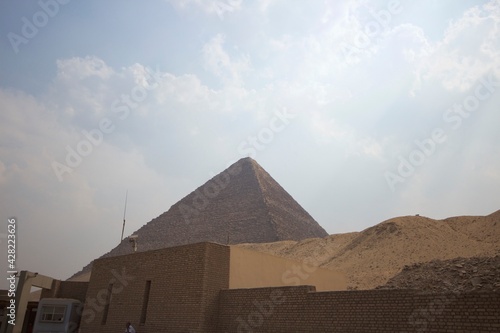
{"type": "Point", "coordinates": [129, 328]}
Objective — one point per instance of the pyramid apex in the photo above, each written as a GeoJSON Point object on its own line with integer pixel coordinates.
{"type": "Point", "coordinates": [246, 159]}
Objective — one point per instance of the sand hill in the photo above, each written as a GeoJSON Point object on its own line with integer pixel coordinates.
{"type": "Point", "coordinates": [373, 256]}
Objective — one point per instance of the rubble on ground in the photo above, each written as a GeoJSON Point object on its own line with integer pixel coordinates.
{"type": "Point", "coordinates": [455, 275]}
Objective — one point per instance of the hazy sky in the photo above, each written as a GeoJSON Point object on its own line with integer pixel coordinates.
{"type": "Point", "coordinates": [361, 110]}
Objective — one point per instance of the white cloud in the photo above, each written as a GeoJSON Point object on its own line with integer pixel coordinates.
{"type": "Point", "coordinates": [218, 7]}
{"type": "Point", "coordinates": [82, 68]}
{"type": "Point", "coordinates": [327, 131]}
{"type": "Point", "coordinates": [219, 62]}
{"type": "Point", "coordinates": [264, 5]}
{"type": "Point", "coordinates": [469, 50]}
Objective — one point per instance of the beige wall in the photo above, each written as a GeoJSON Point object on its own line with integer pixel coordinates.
{"type": "Point", "coordinates": [251, 269]}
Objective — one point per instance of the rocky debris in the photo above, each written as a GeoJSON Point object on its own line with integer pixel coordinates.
{"type": "Point", "coordinates": [455, 275]}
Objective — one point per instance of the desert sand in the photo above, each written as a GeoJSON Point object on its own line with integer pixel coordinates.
{"type": "Point", "coordinates": [370, 258]}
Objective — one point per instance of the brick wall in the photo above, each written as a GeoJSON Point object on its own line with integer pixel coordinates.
{"type": "Point", "coordinates": [185, 281]}
{"type": "Point", "coordinates": [216, 278]}
{"type": "Point", "coordinates": [300, 309]}
{"type": "Point", "coordinates": [66, 289]}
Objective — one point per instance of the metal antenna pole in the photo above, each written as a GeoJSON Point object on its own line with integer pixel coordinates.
{"type": "Point", "coordinates": [124, 212]}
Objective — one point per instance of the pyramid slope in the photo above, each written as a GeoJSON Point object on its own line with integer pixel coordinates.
{"type": "Point", "coordinates": [242, 204]}
{"type": "Point", "coordinates": [290, 220]}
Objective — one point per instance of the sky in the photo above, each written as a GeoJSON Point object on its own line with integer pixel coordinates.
{"type": "Point", "coordinates": [361, 110]}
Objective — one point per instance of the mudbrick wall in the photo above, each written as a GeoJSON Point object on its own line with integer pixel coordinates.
{"type": "Point", "coordinates": [170, 290]}
{"type": "Point", "coordinates": [66, 289]}
{"type": "Point", "coordinates": [301, 309]}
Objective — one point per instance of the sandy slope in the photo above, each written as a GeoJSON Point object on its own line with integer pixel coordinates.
{"type": "Point", "coordinates": [371, 257]}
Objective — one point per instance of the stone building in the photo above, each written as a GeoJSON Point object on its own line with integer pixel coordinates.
{"type": "Point", "coordinates": [177, 289]}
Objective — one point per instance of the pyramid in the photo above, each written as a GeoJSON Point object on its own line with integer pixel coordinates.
{"type": "Point", "coordinates": [242, 204]}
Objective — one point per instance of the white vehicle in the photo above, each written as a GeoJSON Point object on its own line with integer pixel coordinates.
{"type": "Point", "coordinates": [58, 315]}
